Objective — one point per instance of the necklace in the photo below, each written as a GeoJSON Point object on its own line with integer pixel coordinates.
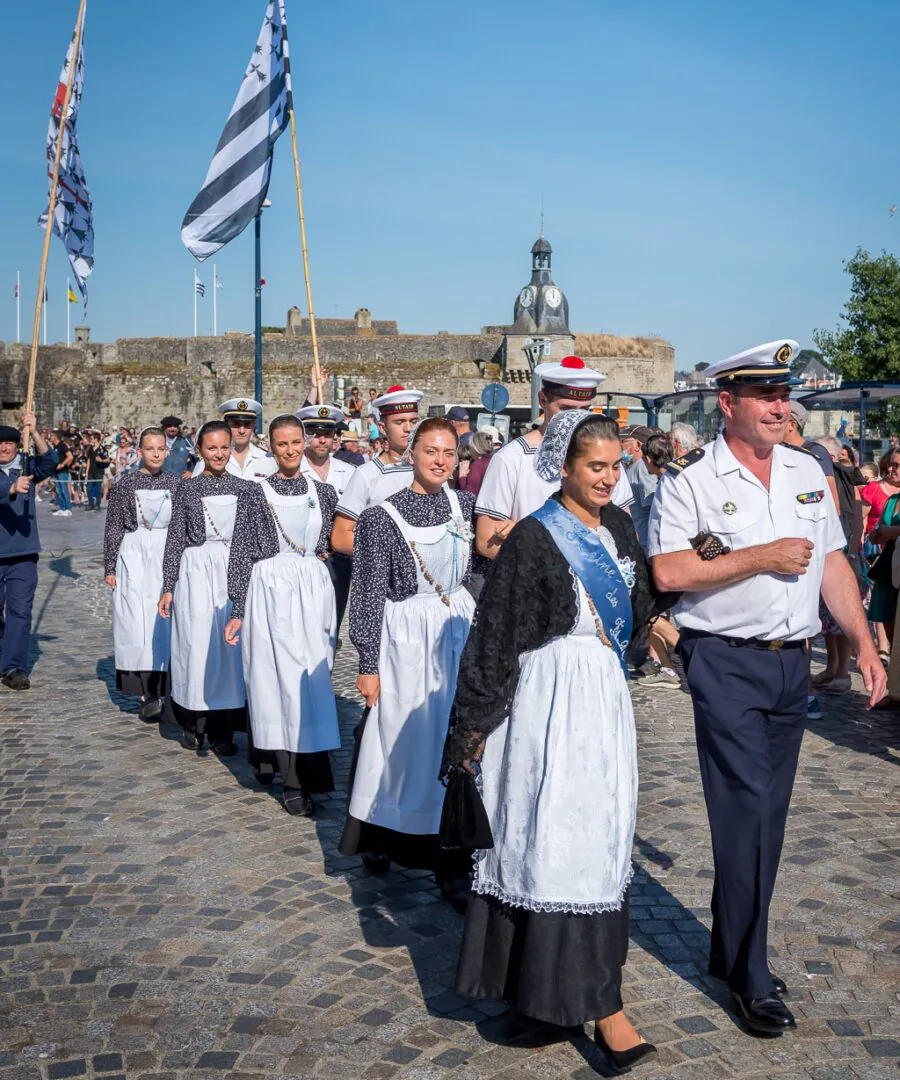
{"type": "Point", "coordinates": [212, 525]}
{"type": "Point", "coordinates": [436, 585]}
{"type": "Point", "coordinates": [601, 633]}
{"type": "Point", "coordinates": [284, 536]}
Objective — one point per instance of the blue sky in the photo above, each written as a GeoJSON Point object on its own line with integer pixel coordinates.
{"type": "Point", "coordinates": [704, 167]}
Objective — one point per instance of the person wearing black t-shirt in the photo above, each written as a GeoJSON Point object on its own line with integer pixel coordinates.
{"type": "Point", "coordinates": [62, 475]}
{"type": "Point", "coordinates": [97, 464]}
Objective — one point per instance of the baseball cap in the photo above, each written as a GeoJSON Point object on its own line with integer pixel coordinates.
{"type": "Point", "coordinates": [799, 413]}
{"type": "Point", "coordinates": [457, 413]}
{"type": "Point", "coordinates": [638, 432]}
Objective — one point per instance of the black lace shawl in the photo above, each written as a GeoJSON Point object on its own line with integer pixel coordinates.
{"type": "Point", "coordinates": [528, 600]}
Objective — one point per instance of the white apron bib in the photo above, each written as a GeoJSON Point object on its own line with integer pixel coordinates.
{"type": "Point", "coordinates": [288, 636]}
{"type": "Point", "coordinates": [422, 639]}
{"type": "Point", "coordinates": [206, 673]}
{"type": "Point", "coordinates": [141, 637]}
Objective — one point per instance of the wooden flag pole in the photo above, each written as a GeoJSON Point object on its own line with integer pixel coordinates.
{"type": "Point", "coordinates": [309, 301]}
{"type": "Point", "coordinates": [51, 211]}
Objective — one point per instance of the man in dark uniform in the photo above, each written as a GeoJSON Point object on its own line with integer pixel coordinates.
{"type": "Point", "coordinates": [746, 530]}
{"type": "Point", "coordinates": [19, 545]}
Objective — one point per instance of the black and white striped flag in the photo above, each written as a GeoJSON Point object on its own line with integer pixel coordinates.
{"type": "Point", "coordinates": [238, 178]}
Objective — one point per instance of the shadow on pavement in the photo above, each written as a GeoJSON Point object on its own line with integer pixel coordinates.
{"type": "Point", "coordinates": [845, 722]}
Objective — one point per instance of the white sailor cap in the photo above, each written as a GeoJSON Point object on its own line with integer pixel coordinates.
{"type": "Point", "coordinates": [398, 399]}
{"type": "Point", "coordinates": [571, 377]}
{"type": "Point", "coordinates": [241, 407]}
{"type": "Point", "coordinates": [763, 365]}
{"type": "Point", "coordinates": [319, 416]}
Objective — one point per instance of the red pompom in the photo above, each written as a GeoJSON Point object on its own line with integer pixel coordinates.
{"type": "Point", "coordinates": [394, 389]}
{"type": "Point", "coordinates": [572, 362]}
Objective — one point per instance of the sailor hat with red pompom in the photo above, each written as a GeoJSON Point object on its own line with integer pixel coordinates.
{"type": "Point", "coordinates": [570, 378]}
{"type": "Point", "coordinates": [398, 399]}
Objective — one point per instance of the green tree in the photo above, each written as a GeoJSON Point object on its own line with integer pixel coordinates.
{"type": "Point", "coordinates": [701, 366]}
{"type": "Point", "coordinates": [867, 344]}
{"type": "Point", "coordinates": [802, 358]}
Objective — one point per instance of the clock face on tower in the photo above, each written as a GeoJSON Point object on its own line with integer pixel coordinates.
{"type": "Point", "coordinates": [526, 297]}
{"type": "Point", "coordinates": [553, 297]}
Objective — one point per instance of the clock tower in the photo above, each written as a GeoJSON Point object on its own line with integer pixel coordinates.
{"type": "Point", "coordinates": [541, 307]}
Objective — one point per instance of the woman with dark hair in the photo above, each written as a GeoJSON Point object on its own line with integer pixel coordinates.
{"type": "Point", "coordinates": [881, 514]}
{"type": "Point", "coordinates": [137, 522]}
{"type": "Point", "coordinates": [409, 619]}
{"type": "Point", "coordinates": [543, 721]}
{"type": "Point", "coordinates": [283, 613]}
{"type": "Point", "coordinates": [208, 696]}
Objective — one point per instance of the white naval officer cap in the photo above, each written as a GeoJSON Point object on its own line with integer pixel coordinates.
{"type": "Point", "coordinates": [398, 399]}
{"type": "Point", "coordinates": [763, 365]}
{"type": "Point", "coordinates": [571, 378]}
{"type": "Point", "coordinates": [245, 407]}
{"type": "Point", "coordinates": [319, 416]}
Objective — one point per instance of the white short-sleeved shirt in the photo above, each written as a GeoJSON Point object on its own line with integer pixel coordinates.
{"type": "Point", "coordinates": [340, 473]}
{"type": "Point", "coordinates": [257, 465]}
{"type": "Point", "coordinates": [371, 484]}
{"type": "Point", "coordinates": [715, 493]}
{"type": "Point", "coordinates": [512, 488]}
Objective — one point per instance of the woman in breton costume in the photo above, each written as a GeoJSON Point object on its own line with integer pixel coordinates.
{"type": "Point", "coordinates": [208, 696]}
{"type": "Point", "coordinates": [543, 720]}
{"type": "Point", "coordinates": [283, 609]}
{"type": "Point", "coordinates": [409, 619]}
{"type": "Point", "coordinates": [140, 506]}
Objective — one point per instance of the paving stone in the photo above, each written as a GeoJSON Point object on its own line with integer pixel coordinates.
{"type": "Point", "coordinates": [162, 918]}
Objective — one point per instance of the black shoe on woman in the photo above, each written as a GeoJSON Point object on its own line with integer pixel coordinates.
{"type": "Point", "coordinates": [151, 710]}
{"type": "Point", "coordinates": [299, 805]}
{"type": "Point", "coordinates": [266, 779]}
{"type": "Point", "coordinates": [189, 740]}
{"type": "Point", "coordinates": [375, 863]}
{"type": "Point", "coordinates": [625, 1060]}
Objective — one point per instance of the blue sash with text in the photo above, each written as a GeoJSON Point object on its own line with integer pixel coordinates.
{"type": "Point", "coordinates": [597, 570]}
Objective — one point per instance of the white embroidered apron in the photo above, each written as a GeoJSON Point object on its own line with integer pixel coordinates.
{"type": "Point", "coordinates": [559, 780]}
{"type": "Point", "coordinates": [206, 673]}
{"type": "Point", "coordinates": [288, 636]}
{"type": "Point", "coordinates": [141, 637]}
{"type": "Point", "coordinates": [422, 639]}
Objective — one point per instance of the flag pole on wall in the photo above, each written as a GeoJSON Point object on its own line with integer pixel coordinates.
{"type": "Point", "coordinates": [18, 306]}
{"type": "Point", "coordinates": [51, 210]}
{"type": "Point", "coordinates": [299, 185]}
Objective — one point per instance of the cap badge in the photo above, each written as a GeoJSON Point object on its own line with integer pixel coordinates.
{"type": "Point", "coordinates": [729, 508]}
{"type": "Point", "coordinates": [242, 405]}
{"type": "Point", "coordinates": [323, 413]}
{"type": "Point", "coordinates": [784, 354]}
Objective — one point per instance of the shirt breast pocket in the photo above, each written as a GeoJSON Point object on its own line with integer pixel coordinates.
{"type": "Point", "coordinates": [810, 519]}
{"type": "Point", "coordinates": [731, 529]}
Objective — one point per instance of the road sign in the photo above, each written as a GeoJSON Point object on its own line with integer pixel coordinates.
{"type": "Point", "coordinates": [495, 397]}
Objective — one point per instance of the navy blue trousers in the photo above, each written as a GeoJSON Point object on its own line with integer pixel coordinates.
{"type": "Point", "coordinates": [18, 581]}
{"type": "Point", "coordinates": [749, 716]}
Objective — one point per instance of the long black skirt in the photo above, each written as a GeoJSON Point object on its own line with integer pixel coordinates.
{"type": "Point", "coordinates": [306, 773]}
{"type": "Point", "coordinates": [149, 684]}
{"type": "Point", "coordinates": [218, 725]}
{"type": "Point", "coordinates": [557, 967]}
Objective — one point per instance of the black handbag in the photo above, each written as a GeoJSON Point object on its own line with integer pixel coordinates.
{"type": "Point", "coordinates": [879, 572]}
{"type": "Point", "coordinates": [464, 820]}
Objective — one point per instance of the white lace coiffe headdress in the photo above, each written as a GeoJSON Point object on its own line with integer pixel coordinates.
{"type": "Point", "coordinates": [555, 445]}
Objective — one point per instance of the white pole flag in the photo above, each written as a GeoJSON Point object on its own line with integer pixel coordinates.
{"type": "Point", "coordinates": [238, 178]}
{"type": "Point", "coordinates": [73, 218]}
{"type": "Point", "coordinates": [199, 290]}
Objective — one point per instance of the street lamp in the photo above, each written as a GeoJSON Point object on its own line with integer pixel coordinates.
{"type": "Point", "coordinates": [257, 364]}
{"type": "Point", "coordinates": [535, 349]}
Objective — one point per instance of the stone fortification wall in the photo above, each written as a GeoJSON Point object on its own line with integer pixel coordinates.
{"type": "Point", "coordinates": [134, 381]}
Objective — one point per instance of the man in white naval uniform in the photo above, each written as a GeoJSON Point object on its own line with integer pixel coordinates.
{"type": "Point", "coordinates": [387, 473]}
{"type": "Point", "coordinates": [320, 425]}
{"type": "Point", "coordinates": [247, 461]}
{"type": "Point", "coordinates": [746, 530]}
{"type": "Point", "coordinates": [512, 488]}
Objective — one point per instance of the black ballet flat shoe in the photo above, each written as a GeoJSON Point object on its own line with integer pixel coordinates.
{"type": "Point", "coordinates": [189, 740]}
{"type": "Point", "coordinates": [224, 749]}
{"type": "Point", "coordinates": [455, 895]}
{"type": "Point", "coordinates": [299, 805]}
{"type": "Point", "coordinates": [151, 710]}
{"type": "Point", "coordinates": [717, 970]}
{"type": "Point", "coordinates": [266, 779]}
{"type": "Point", "coordinates": [623, 1061]}
{"type": "Point", "coordinates": [376, 864]}
{"type": "Point", "coordinates": [766, 1015]}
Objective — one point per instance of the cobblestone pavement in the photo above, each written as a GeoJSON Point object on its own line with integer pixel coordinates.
{"type": "Point", "coordinates": [162, 917]}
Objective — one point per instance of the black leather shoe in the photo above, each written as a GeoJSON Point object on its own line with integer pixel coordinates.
{"type": "Point", "coordinates": [151, 710]}
{"type": "Point", "coordinates": [189, 740]}
{"type": "Point", "coordinates": [224, 749]}
{"type": "Point", "coordinates": [765, 1015]}
{"type": "Point", "coordinates": [266, 779]}
{"type": "Point", "coordinates": [717, 970]}
{"type": "Point", "coordinates": [625, 1060]}
{"type": "Point", "coordinates": [376, 864]}
{"type": "Point", "coordinates": [16, 680]}
{"type": "Point", "coordinates": [299, 805]}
